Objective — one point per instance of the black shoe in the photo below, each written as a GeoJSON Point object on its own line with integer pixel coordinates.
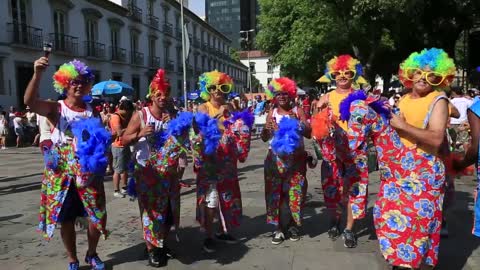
{"type": "Point", "coordinates": [294, 233]}
{"type": "Point", "coordinates": [278, 238]}
{"type": "Point", "coordinates": [227, 238]}
{"type": "Point", "coordinates": [349, 238]}
{"type": "Point", "coordinates": [209, 245]}
{"type": "Point", "coordinates": [333, 233]}
{"type": "Point", "coordinates": [157, 257]}
{"type": "Point", "coordinates": [168, 252]}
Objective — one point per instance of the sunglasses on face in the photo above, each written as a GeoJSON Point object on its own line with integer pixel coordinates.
{"type": "Point", "coordinates": [281, 94]}
{"type": "Point", "coordinates": [78, 82]}
{"type": "Point", "coordinates": [432, 78]}
{"type": "Point", "coordinates": [348, 74]}
{"type": "Point", "coordinates": [224, 88]}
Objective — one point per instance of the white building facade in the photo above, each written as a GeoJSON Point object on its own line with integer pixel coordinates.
{"type": "Point", "coordinates": [261, 66]}
{"type": "Point", "coordinates": [123, 40]}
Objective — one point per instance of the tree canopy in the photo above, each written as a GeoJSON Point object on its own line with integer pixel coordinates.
{"type": "Point", "coordinates": [303, 34]}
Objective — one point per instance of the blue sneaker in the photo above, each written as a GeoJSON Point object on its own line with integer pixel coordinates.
{"type": "Point", "coordinates": [95, 262]}
{"type": "Point", "coordinates": [74, 266]}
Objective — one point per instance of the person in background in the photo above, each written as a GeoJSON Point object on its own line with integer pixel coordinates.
{"type": "Point", "coordinates": [31, 126]}
{"type": "Point", "coordinates": [459, 126]}
{"type": "Point", "coordinates": [259, 106]}
{"type": "Point", "coordinates": [3, 130]}
{"type": "Point", "coordinates": [19, 128]}
{"type": "Point", "coordinates": [120, 153]}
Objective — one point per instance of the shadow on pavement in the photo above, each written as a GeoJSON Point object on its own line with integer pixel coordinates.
{"type": "Point", "coordinates": [131, 254]}
{"type": "Point", "coordinates": [20, 188]}
{"type": "Point", "coordinates": [458, 247]}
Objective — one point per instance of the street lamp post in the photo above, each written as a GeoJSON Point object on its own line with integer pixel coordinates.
{"type": "Point", "coordinates": [183, 58]}
{"type": "Point", "coordinates": [249, 79]}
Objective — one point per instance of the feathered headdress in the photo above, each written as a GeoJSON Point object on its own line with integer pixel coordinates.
{"type": "Point", "coordinates": [158, 84]}
{"type": "Point", "coordinates": [180, 124]}
{"type": "Point", "coordinates": [342, 63]}
{"type": "Point", "coordinates": [436, 60]}
{"type": "Point", "coordinates": [208, 79]}
{"type": "Point", "coordinates": [70, 71]}
{"type": "Point", "coordinates": [282, 84]}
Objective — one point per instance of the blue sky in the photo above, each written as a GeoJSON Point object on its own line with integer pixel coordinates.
{"type": "Point", "coordinates": [197, 6]}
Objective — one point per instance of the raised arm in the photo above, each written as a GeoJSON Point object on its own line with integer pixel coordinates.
{"type": "Point", "coordinates": [31, 99]}
{"type": "Point", "coordinates": [307, 129]}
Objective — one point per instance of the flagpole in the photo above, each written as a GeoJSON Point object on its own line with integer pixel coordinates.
{"type": "Point", "coordinates": [183, 58]}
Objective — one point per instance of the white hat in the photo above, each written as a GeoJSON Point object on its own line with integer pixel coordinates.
{"type": "Point", "coordinates": [124, 98]}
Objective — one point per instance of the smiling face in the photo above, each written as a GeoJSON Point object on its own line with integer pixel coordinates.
{"type": "Point", "coordinates": [78, 88]}
{"type": "Point", "coordinates": [344, 78]}
{"type": "Point", "coordinates": [216, 94]}
{"type": "Point", "coordinates": [160, 100]}
{"type": "Point", "coordinates": [283, 100]}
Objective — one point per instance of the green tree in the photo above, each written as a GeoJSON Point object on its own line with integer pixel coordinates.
{"type": "Point", "coordinates": [303, 34]}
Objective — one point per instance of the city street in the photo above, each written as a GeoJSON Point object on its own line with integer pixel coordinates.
{"type": "Point", "coordinates": [22, 248]}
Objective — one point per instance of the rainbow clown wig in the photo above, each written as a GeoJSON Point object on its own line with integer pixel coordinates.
{"type": "Point", "coordinates": [344, 65]}
{"type": "Point", "coordinates": [158, 84]}
{"type": "Point", "coordinates": [223, 82]}
{"type": "Point", "coordinates": [433, 64]}
{"type": "Point", "coordinates": [281, 85]}
{"type": "Point", "coordinates": [71, 71]}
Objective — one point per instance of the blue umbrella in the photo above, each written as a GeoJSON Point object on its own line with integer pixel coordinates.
{"type": "Point", "coordinates": [107, 88]}
{"type": "Point", "coordinates": [193, 95]}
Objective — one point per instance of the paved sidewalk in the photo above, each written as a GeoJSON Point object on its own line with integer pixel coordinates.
{"type": "Point", "coordinates": [22, 248]}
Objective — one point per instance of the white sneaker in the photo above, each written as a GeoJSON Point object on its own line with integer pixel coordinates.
{"type": "Point", "coordinates": [4, 148]}
{"type": "Point", "coordinates": [118, 195]}
{"type": "Point", "coordinates": [278, 238]}
{"type": "Point", "coordinates": [123, 191]}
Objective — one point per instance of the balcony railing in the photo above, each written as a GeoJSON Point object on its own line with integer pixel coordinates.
{"type": "Point", "coordinates": [168, 29]}
{"type": "Point", "coordinates": [152, 21]}
{"type": "Point", "coordinates": [64, 43]}
{"type": "Point", "coordinates": [154, 62]}
{"type": "Point", "coordinates": [94, 49]}
{"type": "Point", "coordinates": [135, 12]}
{"type": "Point", "coordinates": [169, 66]}
{"type": "Point", "coordinates": [118, 54]}
{"type": "Point", "coordinates": [24, 34]}
{"type": "Point", "coordinates": [136, 58]}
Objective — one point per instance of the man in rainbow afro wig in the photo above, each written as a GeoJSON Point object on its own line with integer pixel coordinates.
{"type": "Point", "coordinates": [221, 140]}
{"type": "Point", "coordinates": [342, 181]}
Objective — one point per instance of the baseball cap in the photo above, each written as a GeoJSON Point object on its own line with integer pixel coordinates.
{"type": "Point", "coordinates": [124, 98]}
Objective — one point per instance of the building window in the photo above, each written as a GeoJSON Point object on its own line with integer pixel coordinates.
{"type": "Point", "coordinates": [116, 76]}
{"type": "Point", "coordinates": [269, 67]}
{"type": "Point", "coordinates": [166, 52]}
{"type": "Point", "coordinates": [179, 86]}
{"type": "Point", "coordinates": [150, 7]}
{"type": "Point", "coordinates": [134, 41]}
{"type": "Point", "coordinates": [59, 19]}
{"type": "Point", "coordinates": [151, 46]}
{"type": "Point", "coordinates": [96, 73]}
{"type": "Point", "coordinates": [252, 67]}
{"type": "Point", "coordinates": [2, 83]}
{"type": "Point", "coordinates": [19, 11]}
{"type": "Point", "coordinates": [91, 30]}
{"type": "Point", "coordinates": [136, 86]}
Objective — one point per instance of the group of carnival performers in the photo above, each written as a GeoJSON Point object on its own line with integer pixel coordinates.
{"type": "Point", "coordinates": [413, 159]}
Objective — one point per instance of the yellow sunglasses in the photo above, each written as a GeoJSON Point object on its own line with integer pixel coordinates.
{"type": "Point", "coordinates": [432, 78]}
{"type": "Point", "coordinates": [224, 88]}
{"type": "Point", "coordinates": [349, 74]}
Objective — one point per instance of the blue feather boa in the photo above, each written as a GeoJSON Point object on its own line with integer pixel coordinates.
{"type": "Point", "coordinates": [210, 132]}
{"type": "Point", "coordinates": [92, 145]}
{"type": "Point", "coordinates": [246, 116]}
{"type": "Point", "coordinates": [287, 138]}
{"type": "Point", "coordinates": [180, 125]}
{"type": "Point", "coordinates": [378, 106]}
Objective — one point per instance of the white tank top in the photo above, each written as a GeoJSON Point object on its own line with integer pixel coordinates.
{"type": "Point", "coordinates": [62, 132]}
{"type": "Point", "coordinates": [142, 147]}
{"type": "Point", "coordinates": [278, 117]}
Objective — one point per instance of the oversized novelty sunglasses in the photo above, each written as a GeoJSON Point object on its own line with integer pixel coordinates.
{"type": "Point", "coordinates": [349, 74]}
{"type": "Point", "coordinates": [224, 88]}
{"type": "Point", "coordinates": [432, 78]}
